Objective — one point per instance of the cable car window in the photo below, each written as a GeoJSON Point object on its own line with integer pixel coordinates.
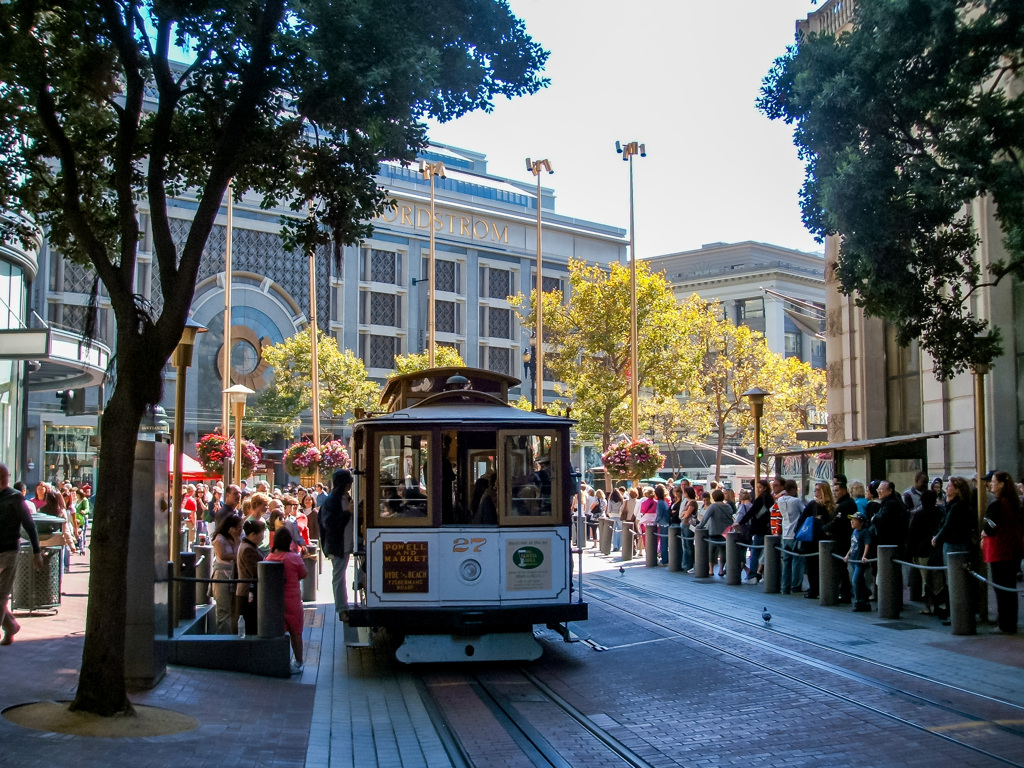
{"type": "Point", "coordinates": [529, 478]}
{"type": "Point", "coordinates": [403, 469]}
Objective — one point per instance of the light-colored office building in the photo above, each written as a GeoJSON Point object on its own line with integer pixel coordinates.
{"type": "Point", "coordinates": [777, 291]}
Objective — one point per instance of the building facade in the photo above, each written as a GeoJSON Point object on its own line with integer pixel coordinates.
{"type": "Point", "coordinates": [777, 291]}
{"type": "Point", "coordinates": [373, 299]}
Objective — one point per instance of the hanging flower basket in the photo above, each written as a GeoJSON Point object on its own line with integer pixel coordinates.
{"type": "Point", "coordinates": [627, 460]}
{"type": "Point", "coordinates": [302, 458]}
{"type": "Point", "coordinates": [252, 455]}
{"type": "Point", "coordinates": [213, 450]}
{"type": "Point", "coordinates": [334, 455]}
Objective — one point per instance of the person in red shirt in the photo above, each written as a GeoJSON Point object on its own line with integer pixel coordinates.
{"type": "Point", "coordinates": [188, 515]}
{"type": "Point", "coordinates": [1002, 549]}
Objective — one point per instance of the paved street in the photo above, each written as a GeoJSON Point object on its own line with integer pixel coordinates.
{"type": "Point", "coordinates": [679, 671]}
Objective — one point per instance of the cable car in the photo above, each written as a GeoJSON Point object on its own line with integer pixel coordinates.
{"type": "Point", "coordinates": [463, 512]}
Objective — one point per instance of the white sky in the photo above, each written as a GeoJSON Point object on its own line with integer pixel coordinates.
{"type": "Point", "coordinates": [678, 75]}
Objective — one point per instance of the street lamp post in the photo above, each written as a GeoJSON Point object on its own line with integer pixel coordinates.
{"type": "Point", "coordinates": [314, 357]}
{"type": "Point", "coordinates": [430, 171]}
{"type": "Point", "coordinates": [236, 396]}
{"type": "Point", "coordinates": [225, 406]}
{"type": "Point", "coordinates": [756, 397]}
{"type": "Point", "coordinates": [535, 167]}
{"type": "Point", "coordinates": [181, 359]}
{"type": "Point", "coordinates": [628, 151]}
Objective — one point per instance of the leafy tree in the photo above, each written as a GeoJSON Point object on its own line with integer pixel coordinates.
{"type": "Point", "coordinates": [344, 385]}
{"type": "Point", "coordinates": [668, 417]}
{"type": "Point", "coordinates": [902, 123]}
{"type": "Point", "coordinates": [586, 342]}
{"type": "Point", "coordinates": [444, 357]}
{"type": "Point", "coordinates": [734, 359]}
{"type": "Point", "coordinates": [274, 413]}
{"type": "Point", "coordinates": [294, 101]}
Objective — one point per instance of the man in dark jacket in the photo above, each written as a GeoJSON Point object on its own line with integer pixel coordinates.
{"type": "Point", "coordinates": [336, 530]}
{"type": "Point", "coordinates": [14, 516]}
{"type": "Point", "coordinates": [891, 525]}
{"type": "Point", "coordinates": [839, 530]}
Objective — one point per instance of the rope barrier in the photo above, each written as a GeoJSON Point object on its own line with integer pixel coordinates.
{"type": "Point", "coordinates": [983, 580]}
{"type": "Point", "coordinates": [854, 562]}
{"type": "Point", "coordinates": [921, 567]}
{"type": "Point", "coordinates": [794, 554]}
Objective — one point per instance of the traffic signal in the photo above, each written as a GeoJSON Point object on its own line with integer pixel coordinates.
{"type": "Point", "coordinates": [72, 401]}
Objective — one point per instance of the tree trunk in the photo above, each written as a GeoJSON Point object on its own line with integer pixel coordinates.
{"type": "Point", "coordinates": [101, 686]}
{"type": "Point", "coordinates": [718, 452]}
{"type": "Point", "coordinates": [140, 363]}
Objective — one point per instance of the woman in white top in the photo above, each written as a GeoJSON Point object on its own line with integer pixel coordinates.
{"type": "Point", "coordinates": [616, 502]}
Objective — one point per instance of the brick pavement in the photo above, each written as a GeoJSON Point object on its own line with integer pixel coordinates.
{"type": "Point", "coordinates": [350, 709]}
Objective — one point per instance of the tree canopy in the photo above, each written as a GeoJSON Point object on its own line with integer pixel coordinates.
{"type": "Point", "coordinates": [586, 342]}
{"type": "Point", "coordinates": [294, 101]}
{"type": "Point", "coordinates": [444, 357]}
{"type": "Point", "coordinates": [344, 385]}
{"type": "Point", "coordinates": [902, 123]}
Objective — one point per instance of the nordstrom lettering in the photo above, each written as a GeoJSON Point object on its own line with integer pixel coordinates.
{"type": "Point", "coordinates": [473, 227]}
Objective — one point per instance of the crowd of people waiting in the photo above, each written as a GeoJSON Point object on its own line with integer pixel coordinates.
{"type": "Point", "coordinates": [927, 522]}
{"type": "Point", "coordinates": [245, 526]}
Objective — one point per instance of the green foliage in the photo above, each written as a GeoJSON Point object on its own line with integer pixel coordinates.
{"type": "Point", "coordinates": [903, 123]}
{"type": "Point", "coordinates": [586, 342]}
{"type": "Point", "coordinates": [444, 357]}
{"type": "Point", "coordinates": [344, 385]}
{"type": "Point", "coordinates": [275, 412]}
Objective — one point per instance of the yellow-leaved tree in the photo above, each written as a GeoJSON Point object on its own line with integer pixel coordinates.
{"type": "Point", "coordinates": [586, 342]}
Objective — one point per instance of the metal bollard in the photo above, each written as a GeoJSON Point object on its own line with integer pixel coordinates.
{"type": "Point", "coordinates": [701, 567]}
{"type": "Point", "coordinates": [890, 584]}
{"type": "Point", "coordinates": [627, 541]}
{"type": "Point", "coordinates": [186, 591]}
{"type": "Point", "coordinates": [961, 611]}
{"type": "Point", "coordinates": [827, 575]}
{"type": "Point", "coordinates": [270, 599]}
{"type": "Point", "coordinates": [651, 544]}
{"type": "Point", "coordinates": [733, 562]}
{"type": "Point", "coordinates": [675, 549]}
{"type": "Point", "coordinates": [772, 559]}
{"type": "Point", "coordinates": [604, 529]}
{"type": "Point", "coordinates": [204, 570]}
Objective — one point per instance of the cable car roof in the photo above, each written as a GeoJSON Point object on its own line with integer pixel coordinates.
{"type": "Point", "coordinates": [466, 407]}
{"type": "Point", "coordinates": [409, 388]}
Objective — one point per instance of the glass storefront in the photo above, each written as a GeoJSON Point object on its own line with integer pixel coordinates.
{"type": "Point", "coordinates": [67, 455]}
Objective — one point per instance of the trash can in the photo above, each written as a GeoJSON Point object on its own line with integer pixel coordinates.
{"type": "Point", "coordinates": [36, 590]}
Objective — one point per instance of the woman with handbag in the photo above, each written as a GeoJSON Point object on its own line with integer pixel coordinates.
{"type": "Point", "coordinates": [812, 523]}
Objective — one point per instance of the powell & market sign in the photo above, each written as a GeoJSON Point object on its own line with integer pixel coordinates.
{"type": "Point", "coordinates": [418, 217]}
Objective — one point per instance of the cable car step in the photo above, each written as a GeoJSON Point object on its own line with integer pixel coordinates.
{"type": "Point", "coordinates": [357, 637]}
{"type": "Point", "coordinates": [570, 633]}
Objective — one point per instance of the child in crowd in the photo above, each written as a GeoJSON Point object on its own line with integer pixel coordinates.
{"type": "Point", "coordinates": [860, 545]}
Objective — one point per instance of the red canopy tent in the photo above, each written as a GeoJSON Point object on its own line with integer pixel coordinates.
{"type": "Point", "coordinates": [191, 470]}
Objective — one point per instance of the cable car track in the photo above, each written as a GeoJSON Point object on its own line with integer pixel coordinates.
{"type": "Point", "coordinates": [967, 717]}
{"type": "Point", "coordinates": [537, 738]}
